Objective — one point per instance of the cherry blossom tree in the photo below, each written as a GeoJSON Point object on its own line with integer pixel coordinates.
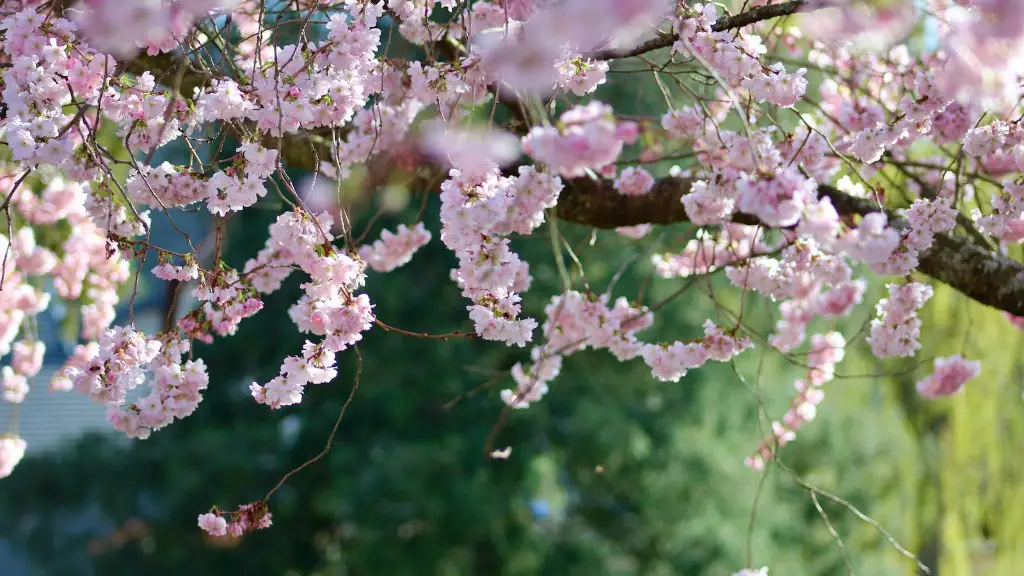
{"type": "Point", "coordinates": [819, 146]}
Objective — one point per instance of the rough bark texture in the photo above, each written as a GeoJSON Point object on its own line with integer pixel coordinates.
{"type": "Point", "coordinates": [981, 274]}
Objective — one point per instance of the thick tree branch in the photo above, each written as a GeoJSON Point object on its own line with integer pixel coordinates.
{"type": "Point", "coordinates": [752, 16]}
{"type": "Point", "coordinates": [983, 275]}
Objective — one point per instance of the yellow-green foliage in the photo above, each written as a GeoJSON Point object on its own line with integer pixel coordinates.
{"type": "Point", "coordinates": [980, 438]}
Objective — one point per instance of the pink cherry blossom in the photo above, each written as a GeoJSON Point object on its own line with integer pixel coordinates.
{"type": "Point", "coordinates": [950, 376]}
{"type": "Point", "coordinates": [12, 450]}
{"type": "Point", "coordinates": [213, 524]}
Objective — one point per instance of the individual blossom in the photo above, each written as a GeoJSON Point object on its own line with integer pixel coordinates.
{"type": "Point", "coordinates": [12, 450]}
{"type": "Point", "coordinates": [950, 376]}
{"type": "Point", "coordinates": [27, 358]}
{"type": "Point", "coordinates": [14, 385]}
{"type": "Point", "coordinates": [213, 524]}
{"type": "Point", "coordinates": [634, 181]}
{"type": "Point", "coordinates": [685, 123]}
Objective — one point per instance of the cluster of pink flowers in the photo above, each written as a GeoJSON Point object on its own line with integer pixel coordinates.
{"type": "Point", "coordinates": [826, 351]}
{"type": "Point", "coordinates": [167, 271]}
{"type": "Point", "coordinates": [1006, 221]}
{"type": "Point", "coordinates": [539, 50]}
{"type": "Point", "coordinates": [710, 251]}
{"type": "Point", "coordinates": [329, 307]}
{"type": "Point", "coordinates": [920, 107]}
{"type": "Point", "coordinates": [670, 362]}
{"type": "Point", "coordinates": [395, 249]}
{"type": "Point", "coordinates": [472, 151]}
{"type": "Point", "coordinates": [801, 272]}
{"type": "Point", "coordinates": [925, 219]}
{"type": "Point", "coordinates": [684, 123]}
{"type": "Point", "coordinates": [84, 267]}
{"type": "Point", "coordinates": [477, 215]}
{"type": "Point", "coordinates": [80, 359]}
{"type": "Point", "coordinates": [225, 302]}
{"type": "Point", "coordinates": [760, 177]}
{"type": "Point", "coordinates": [586, 138]}
{"type": "Point", "coordinates": [26, 361]}
{"type": "Point", "coordinates": [711, 201]}
{"type": "Point", "coordinates": [175, 392]}
{"type": "Point", "coordinates": [119, 367]}
{"type": "Point", "coordinates": [634, 181]}
{"type": "Point", "coordinates": [873, 240]}
{"type": "Point", "coordinates": [35, 90]}
{"type": "Point", "coordinates": [165, 186]}
{"type": "Point", "coordinates": [799, 280]}
{"type": "Point", "coordinates": [580, 75]}
{"type": "Point", "coordinates": [20, 301]}
{"type": "Point", "coordinates": [979, 51]}
{"type": "Point", "coordinates": [777, 86]}
{"type": "Point", "coordinates": [950, 375]}
{"type": "Point", "coordinates": [736, 58]}
{"type": "Point", "coordinates": [575, 322]}
{"type": "Point", "coordinates": [247, 518]}
{"type": "Point", "coordinates": [896, 330]}
{"type": "Point", "coordinates": [374, 130]}
{"type": "Point", "coordinates": [155, 26]}
{"type": "Point", "coordinates": [234, 189]}
{"type": "Point", "coordinates": [778, 200]}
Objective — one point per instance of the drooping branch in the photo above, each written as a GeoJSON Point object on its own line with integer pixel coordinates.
{"type": "Point", "coordinates": [752, 16]}
{"type": "Point", "coordinates": [981, 274]}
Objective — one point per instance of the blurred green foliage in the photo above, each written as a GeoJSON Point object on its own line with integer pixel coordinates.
{"type": "Point", "coordinates": [613, 473]}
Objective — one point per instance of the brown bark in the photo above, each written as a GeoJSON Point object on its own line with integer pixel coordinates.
{"type": "Point", "coordinates": [979, 273]}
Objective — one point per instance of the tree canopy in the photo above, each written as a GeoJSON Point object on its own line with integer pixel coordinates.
{"type": "Point", "coordinates": [523, 284]}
